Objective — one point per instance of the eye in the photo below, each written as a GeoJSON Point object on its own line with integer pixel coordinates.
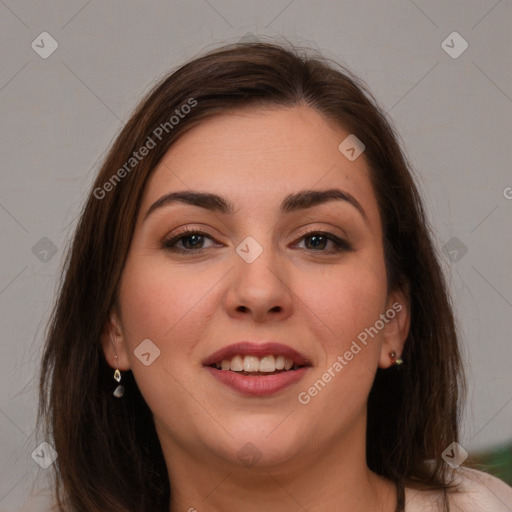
{"type": "Point", "coordinates": [194, 241]}
{"type": "Point", "coordinates": [188, 241]}
{"type": "Point", "coordinates": [318, 241]}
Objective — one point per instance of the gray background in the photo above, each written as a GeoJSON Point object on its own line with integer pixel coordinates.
{"type": "Point", "coordinates": [60, 114]}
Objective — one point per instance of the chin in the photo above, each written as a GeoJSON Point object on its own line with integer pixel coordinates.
{"type": "Point", "coordinates": [263, 441]}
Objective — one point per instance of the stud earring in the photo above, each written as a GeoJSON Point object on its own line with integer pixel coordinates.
{"type": "Point", "coordinates": [119, 391]}
{"type": "Point", "coordinates": [396, 362]}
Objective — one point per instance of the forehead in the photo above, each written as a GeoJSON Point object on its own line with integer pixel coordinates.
{"type": "Point", "coordinates": [256, 156]}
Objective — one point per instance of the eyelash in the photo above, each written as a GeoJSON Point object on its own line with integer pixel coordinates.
{"type": "Point", "coordinates": [169, 243]}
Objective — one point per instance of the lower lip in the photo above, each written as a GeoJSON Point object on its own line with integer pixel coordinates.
{"type": "Point", "coordinates": [258, 385]}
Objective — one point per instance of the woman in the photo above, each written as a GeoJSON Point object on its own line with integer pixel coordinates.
{"type": "Point", "coordinates": [250, 271]}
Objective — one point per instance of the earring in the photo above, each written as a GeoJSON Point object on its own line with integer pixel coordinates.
{"type": "Point", "coordinates": [396, 362]}
{"type": "Point", "coordinates": [119, 391]}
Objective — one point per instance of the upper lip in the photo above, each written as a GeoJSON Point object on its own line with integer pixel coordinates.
{"type": "Point", "coordinates": [247, 348]}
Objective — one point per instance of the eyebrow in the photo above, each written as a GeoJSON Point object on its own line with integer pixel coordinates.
{"type": "Point", "coordinates": [293, 202]}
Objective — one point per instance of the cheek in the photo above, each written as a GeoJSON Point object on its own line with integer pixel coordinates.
{"type": "Point", "coordinates": [341, 311]}
{"type": "Point", "coordinates": [156, 298]}
{"type": "Point", "coordinates": [344, 301]}
{"type": "Point", "coordinates": [168, 307]}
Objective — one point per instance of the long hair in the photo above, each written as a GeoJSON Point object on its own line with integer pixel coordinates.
{"type": "Point", "coordinates": [109, 455]}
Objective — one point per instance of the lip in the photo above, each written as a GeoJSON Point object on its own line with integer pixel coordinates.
{"type": "Point", "coordinates": [247, 348]}
{"type": "Point", "coordinates": [257, 385]}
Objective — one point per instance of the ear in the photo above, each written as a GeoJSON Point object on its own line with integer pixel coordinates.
{"type": "Point", "coordinates": [114, 344]}
{"type": "Point", "coordinates": [396, 328]}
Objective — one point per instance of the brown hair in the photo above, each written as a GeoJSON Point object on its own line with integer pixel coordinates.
{"type": "Point", "coordinates": [109, 456]}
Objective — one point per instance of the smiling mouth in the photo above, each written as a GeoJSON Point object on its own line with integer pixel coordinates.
{"type": "Point", "coordinates": [253, 366]}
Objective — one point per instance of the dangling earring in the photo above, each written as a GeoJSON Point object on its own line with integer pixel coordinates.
{"type": "Point", "coordinates": [119, 391]}
{"type": "Point", "coordinates": [396, 362]}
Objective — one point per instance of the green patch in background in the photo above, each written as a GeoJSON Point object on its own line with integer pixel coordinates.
{"type": "Point", "coordinates": [496, 461]}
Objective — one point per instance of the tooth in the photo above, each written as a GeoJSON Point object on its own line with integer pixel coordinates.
{"type": "Point", "coordinates": [237, 364]}
{"type": "Point", "coordinates": [251, 364]}
{"type": "Point", "coordinates": [267, 364]}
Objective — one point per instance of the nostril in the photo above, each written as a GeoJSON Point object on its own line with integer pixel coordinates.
{"type": "Point", "coordinates": [242, 309]}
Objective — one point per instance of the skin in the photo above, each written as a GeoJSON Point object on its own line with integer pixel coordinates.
{"type": "Point", "coordinates": [315, 300]}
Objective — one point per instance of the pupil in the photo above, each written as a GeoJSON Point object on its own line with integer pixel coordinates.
{"type": "Point", "coordinates": [196, 240]}
{"type": "Point", "coordinates": [317, 241]}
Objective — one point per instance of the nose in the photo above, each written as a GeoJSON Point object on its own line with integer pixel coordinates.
{"type": "Point", "coordinates": [259, 290]}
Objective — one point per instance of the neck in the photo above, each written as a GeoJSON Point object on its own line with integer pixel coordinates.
{"type": "Point", "coordinates": [335, 479]}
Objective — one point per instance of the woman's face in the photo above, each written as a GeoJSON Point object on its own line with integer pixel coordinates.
{"type": "Point", "coordinates": [268, 258]}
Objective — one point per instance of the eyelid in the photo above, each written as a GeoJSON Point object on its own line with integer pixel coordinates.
{"type": "Point", "coordinates": [316, 227]}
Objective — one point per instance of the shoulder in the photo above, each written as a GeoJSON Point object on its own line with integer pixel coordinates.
{"type": "Point", "coordinates": [480, 491]}
{"type": "Point", "coordinates": [476, 492]}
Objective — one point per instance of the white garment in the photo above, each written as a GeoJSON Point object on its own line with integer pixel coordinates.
{"type": "Point", "coordinates": [478, 492]}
